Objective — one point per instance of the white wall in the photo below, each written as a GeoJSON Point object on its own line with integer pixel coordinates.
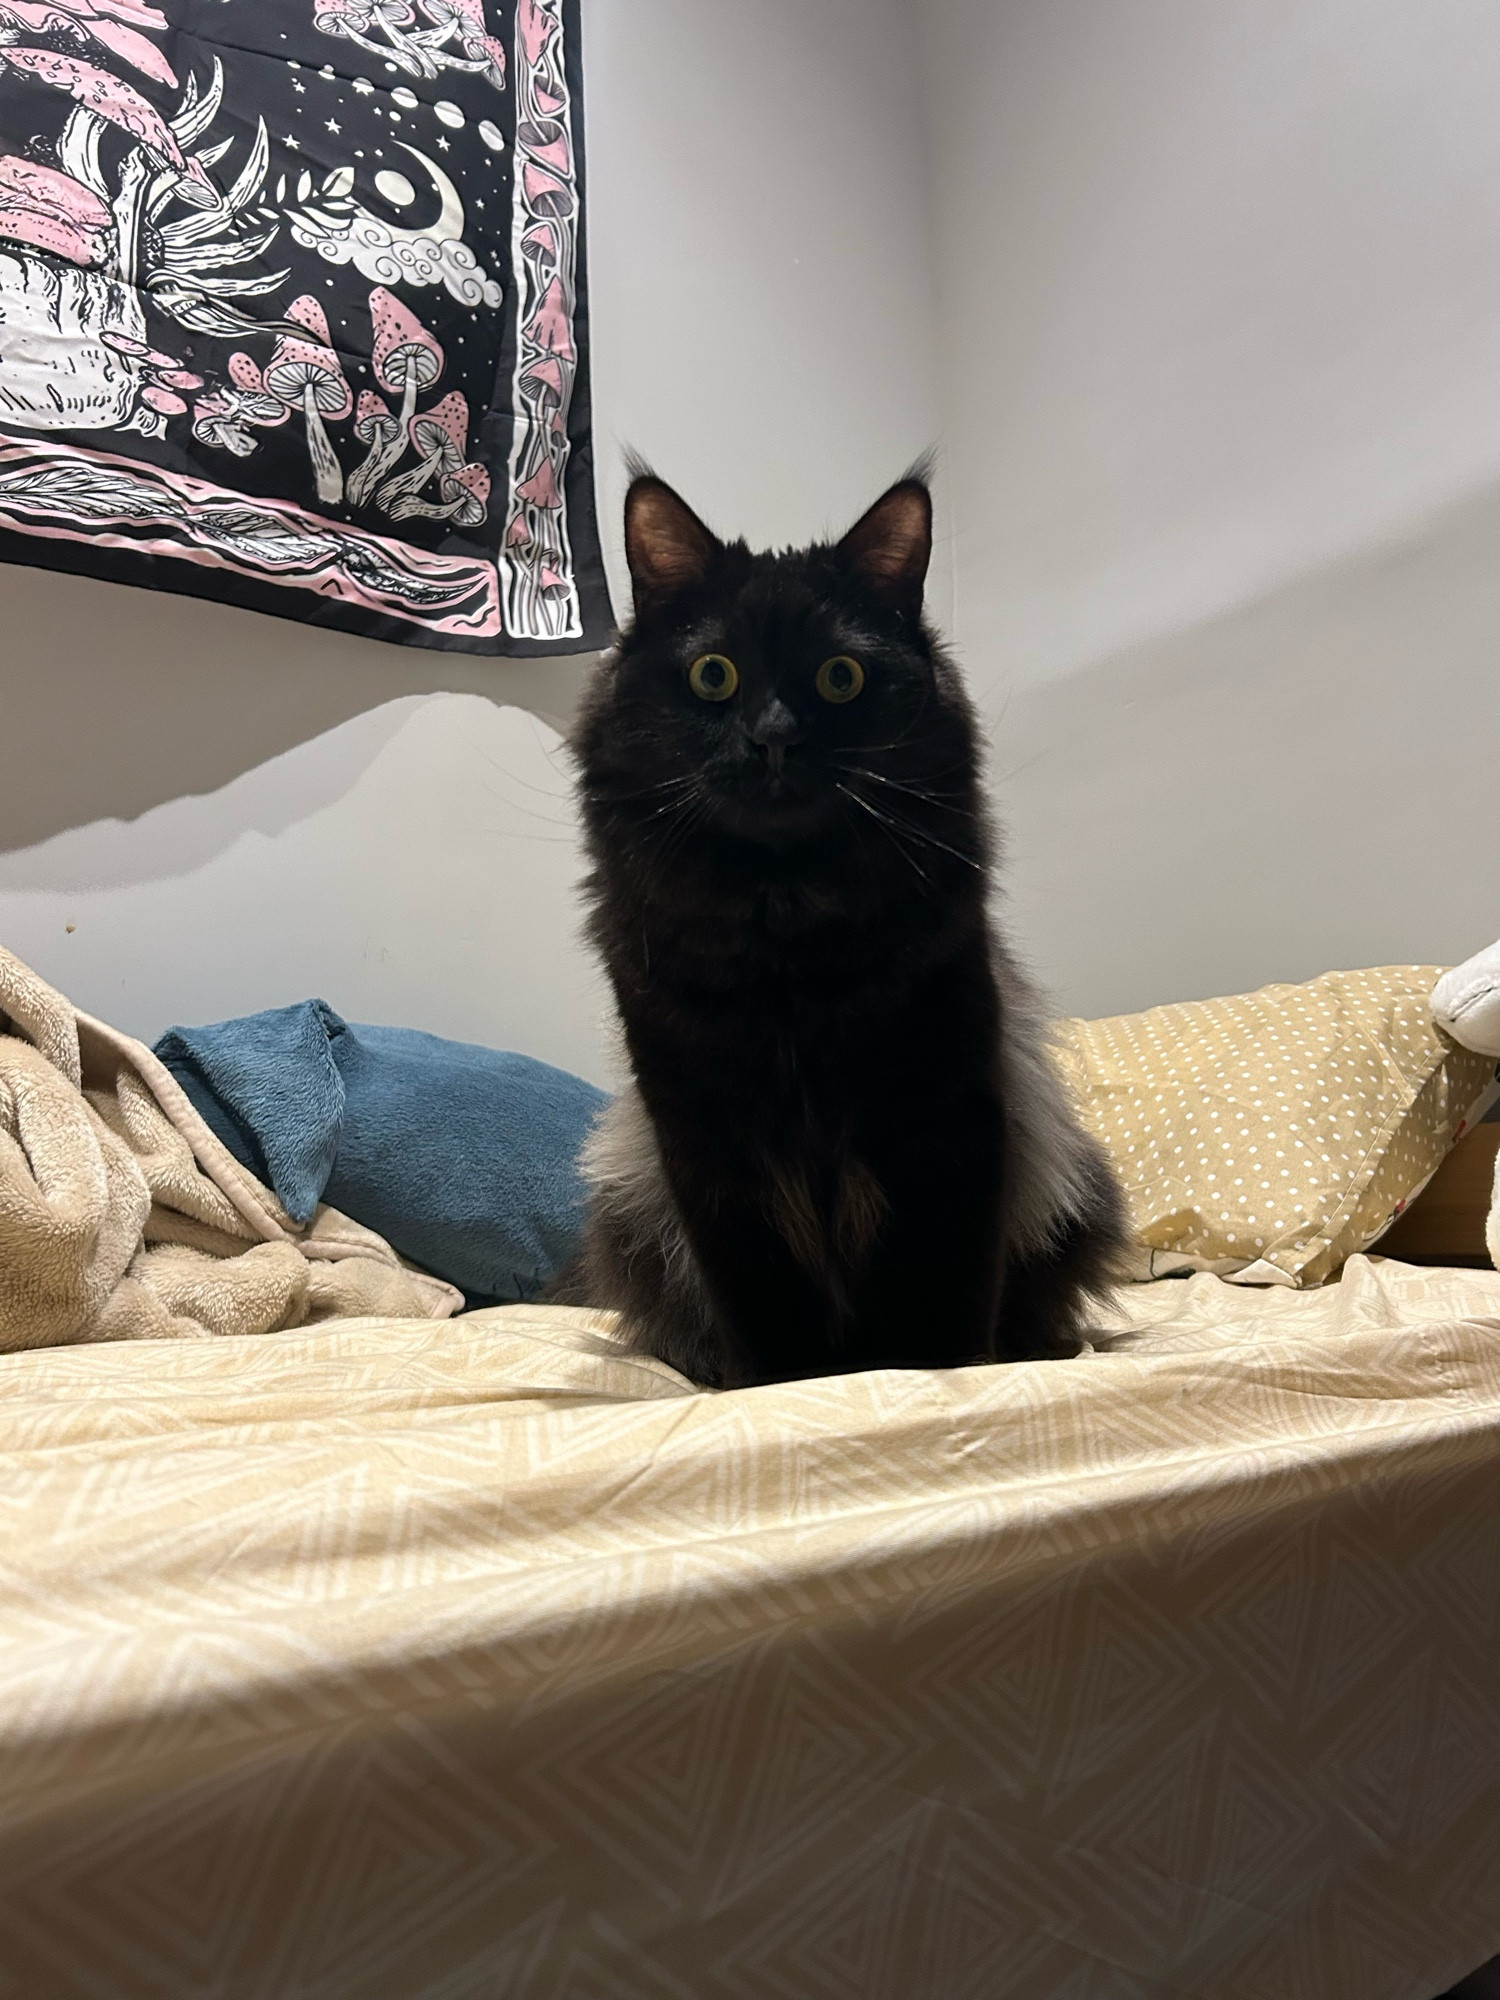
{"type": "Point", "coordinates": [1218, 296]}
{"type": "Point", "coordinates": [1205, 304]}
{"type": "Point", "coordinates": [758, 252]}
{"type": "Point", "coordinates": [204, 811]}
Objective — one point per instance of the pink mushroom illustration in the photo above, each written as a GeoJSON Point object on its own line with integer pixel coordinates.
{"type": "Point", "coordinates": [535, 27]}
{"type": "Point", "coordinates": [543, 381]}
{"type": "Point", "coordinates": [552, 326]}
{"type": "Point", "coordinates": [540, 490]}
{"type": "Point", "coordinates": [81, 20]}
{"type": "Point", "coordinates": [546, 194]}
{"type": "Point", "coordinates": [52, 212]}
{"type": "Point", "coordinates": [464, 497]}
{"type": "Point", "coordinates": [470, 499]}
{"type": "Point", "coordinates": [112, 99]}
{"type": "Point", "coordinates": [466, 19]}
{"type": "Point", "coordinates": [160, 377]}
{"type": "Point", "coordinates": [359, 21]}
{"type": "Point", "coordinates": [540, 241]}
{"type": "Point", "coordinates": [376, 427]}
{"type": "Point", "coordinates": [356, 20]}
{"type": "Point", "coordinates": [163, 369]}
{"type": "Point", "coordinates": [307, 373]}
{"type": "Point", "coordinates": [545, 140]}
{"type": "Point", "coordinates": [101, 230]}
{"type": "Point", "coordinates": [220, 417]}
{"type": "Point", "coordinates": [386, 28]}
{"type": "Point", "coordinates": [167, 401]}
{"type": "Point", "coordinates": [440, 437]}
{"type": "Point", "coordinates": [215, 422]}
{"type": "Point", "coordinates": [406, 360]}
{"type": "Point", "coordinates": [254, 403]}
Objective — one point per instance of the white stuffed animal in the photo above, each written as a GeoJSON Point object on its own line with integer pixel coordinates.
{"type": "Point", "coordinates": [1466, 1005]}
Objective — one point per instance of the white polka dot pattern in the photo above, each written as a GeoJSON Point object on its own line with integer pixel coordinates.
{"type": "Point", "coordinates": [1275, 1133]}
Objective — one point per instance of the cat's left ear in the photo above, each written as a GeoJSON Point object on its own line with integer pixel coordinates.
{"type": "Point", "coordinates": [890, 547]}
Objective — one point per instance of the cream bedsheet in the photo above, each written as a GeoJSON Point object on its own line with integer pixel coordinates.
{"type": "Point", "coordinates": [473, 1661]}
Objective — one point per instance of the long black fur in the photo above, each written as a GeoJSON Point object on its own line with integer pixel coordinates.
{"type": "Point", "coordinates": [845, 1146]}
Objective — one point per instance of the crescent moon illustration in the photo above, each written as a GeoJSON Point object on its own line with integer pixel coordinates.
{"type": "Point", "coordinates": [344, 231]}
{"type": "Point", "coordinates": [450, 217]}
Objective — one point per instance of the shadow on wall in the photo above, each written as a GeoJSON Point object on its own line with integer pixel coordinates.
{"type": "Point", "coordinates": [117, 700]}
{"type": "Point", "coordinates": [204, 811]}
{"type": "Point", "coordinates": [1308, 782]}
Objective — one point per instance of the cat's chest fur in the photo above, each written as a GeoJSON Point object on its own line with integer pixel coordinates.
{"type": "Point", "coordinates": [819, 957]}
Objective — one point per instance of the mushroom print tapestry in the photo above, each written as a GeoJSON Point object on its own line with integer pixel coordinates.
{"type": "Point", "coordinates": [292, 311]}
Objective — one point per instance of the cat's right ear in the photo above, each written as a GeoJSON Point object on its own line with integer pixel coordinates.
{"type": "Point", "coordinates": [666, 545]}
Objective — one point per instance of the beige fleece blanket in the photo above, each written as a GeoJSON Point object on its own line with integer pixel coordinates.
{"type": "Point", "coordinates": [122, 1217]}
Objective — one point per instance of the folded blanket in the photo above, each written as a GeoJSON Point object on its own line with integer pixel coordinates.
{"type": "Point", "coordinates": [123, 1217]}
{"type": "Point", "coordinates": [464, 1158]}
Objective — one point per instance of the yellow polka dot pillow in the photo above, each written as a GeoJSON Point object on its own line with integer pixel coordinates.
{"type": "Point", "coordinates": [1269, 1136]}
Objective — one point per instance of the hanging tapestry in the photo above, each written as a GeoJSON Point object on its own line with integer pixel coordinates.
{"type": "Point", "coordinates": [292, 310]}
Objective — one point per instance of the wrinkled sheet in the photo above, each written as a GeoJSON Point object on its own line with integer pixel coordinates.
{"type": "Point", "coordinates": [123, 1217]}
{"type": "Point", "coordinates": [475, 1658]}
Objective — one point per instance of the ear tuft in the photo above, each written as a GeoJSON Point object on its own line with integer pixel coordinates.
{"type": "Point", "coordinates": [666, 545]}
{"type": "Point", "coordinates": [890, 547]}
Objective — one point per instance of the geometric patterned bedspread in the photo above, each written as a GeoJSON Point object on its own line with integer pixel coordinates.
{"type": "Point", "coordinates": [479, 1659]}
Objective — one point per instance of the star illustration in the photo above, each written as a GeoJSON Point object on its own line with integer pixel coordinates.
{"type": "Point", "coordinates": [442, 144]}
{"type": "Point", "coordinates": [333, 125]}
{"type": "Point", "coordinates": [300, 88]}
{"type": "Point", "coordinates": [290, 143]}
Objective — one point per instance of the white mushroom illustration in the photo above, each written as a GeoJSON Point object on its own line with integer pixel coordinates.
{"type": "Point", "coordinates": [220, 416]}
{"type": "Point", "coordinates": [388, 28]}
{"type": "Point", "coordinates": [466, 496]}
{"type": "Point", "coordinates": [376, 427]}
{"type": "Point", "coordinates": [440, 437]}
{"type": "Point", "coordinates": [406, 360]}
{"type": "Point", "coordinates": [307, 373]}
{"type": "Point", "coordinates": [254, 401]}
{"type": "Point", "coordinates": [215, 422]}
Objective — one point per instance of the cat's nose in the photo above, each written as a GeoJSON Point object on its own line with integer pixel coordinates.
{"type": "Point", "coordinates": [774, 731]}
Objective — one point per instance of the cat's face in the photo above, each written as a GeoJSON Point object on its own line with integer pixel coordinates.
{"type": "Point", "coordinates": [778, 699]}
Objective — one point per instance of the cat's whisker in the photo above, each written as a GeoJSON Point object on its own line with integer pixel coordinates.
{"type": "Point", "coordinates": [684, 817]}
{"type": "Point", "coordinates": [672, 805]}
{"type": "Point", "coordinates": [919, 833]}
{"type": "Point", "coordinates": [561, 797]}
{"type": "Point", "coordinates": [684, 783]}
{"type": "Point", "coordinates": [887, 827]}
{"type": "Point", "coordinates": [945, 802]}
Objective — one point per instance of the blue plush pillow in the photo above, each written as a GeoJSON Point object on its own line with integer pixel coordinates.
{"type": "Point", "coordinates": [464, 1158]}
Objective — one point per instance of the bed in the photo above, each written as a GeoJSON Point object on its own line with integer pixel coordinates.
{"type": "Point", "coordinates": [479, 1658]}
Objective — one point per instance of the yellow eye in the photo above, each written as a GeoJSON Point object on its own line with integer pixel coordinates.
{"type": "Point", "coordinates": [713, 678]}
{"type": "Point", "coordinates": [840, 679]}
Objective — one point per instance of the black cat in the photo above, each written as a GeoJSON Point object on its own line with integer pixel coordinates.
{"type": "Point", "coordinates": [845, 1147]}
